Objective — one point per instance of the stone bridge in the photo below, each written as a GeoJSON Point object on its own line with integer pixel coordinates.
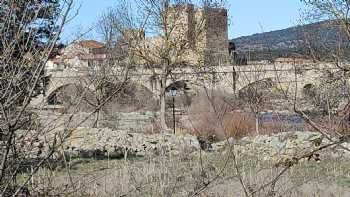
{"type": "Point", "coordinates": [228, 78]}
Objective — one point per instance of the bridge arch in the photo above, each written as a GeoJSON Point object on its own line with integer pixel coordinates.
{"type": "Point", "coordinates": [185, 92]}
{"type": "Point", "coordinates": [52, 97]}
{"type": "Point", "coordinates": [256, 88]}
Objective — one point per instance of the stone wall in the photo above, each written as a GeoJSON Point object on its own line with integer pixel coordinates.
{"type": "Point", "coordinates": [107, 143]}
{"type": "Point", "coordinates": [135, 122]}
{"type": "Point", "coordinates": [88, 142]}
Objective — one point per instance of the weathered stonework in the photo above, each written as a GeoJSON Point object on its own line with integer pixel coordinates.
{"type": "Point", "coordinates": [215, 36]}
{"type": "Point", "coordinates": [201, 34]}
{"type": "Point", "coordinates": [207, 32]}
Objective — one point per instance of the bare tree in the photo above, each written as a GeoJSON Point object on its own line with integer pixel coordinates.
{"type": "Point", "coordinates": [108, 76]}
{"type": "Point", "coordinates": [256, 94]}
{"type": "Point", "coordinates": [174, 47]}
{"type": "Point", "coordinates": [333, 80]}
{"type": "Point", "coordinates": [105, 82]}
{"type": "Point", "coordinates": [29, 33]}
{"type": "Point", "coordinates": [324, 45]}
{"type": "Point", "coordinates": [337, 10]}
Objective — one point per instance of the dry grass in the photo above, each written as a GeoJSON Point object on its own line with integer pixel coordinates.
{"type": "Point", "coordinates": [239, 125]}
{"type": "Point", "coordinates": [183, 175]}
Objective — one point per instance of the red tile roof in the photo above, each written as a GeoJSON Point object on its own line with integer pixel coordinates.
{"type": "Point", "coordinates": [91, 44]}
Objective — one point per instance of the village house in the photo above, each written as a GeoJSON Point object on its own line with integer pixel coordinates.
{"type": "Point", "coordinates": [78, 55]}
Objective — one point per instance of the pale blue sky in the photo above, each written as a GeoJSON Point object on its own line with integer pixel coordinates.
{"type": "Point", "coordinates": [246, 16]}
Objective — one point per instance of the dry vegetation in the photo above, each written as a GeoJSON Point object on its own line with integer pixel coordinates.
{"type": "Point", "coordinates": [34, 159]}
{"type": "Point", "coordinates": [205, 174]}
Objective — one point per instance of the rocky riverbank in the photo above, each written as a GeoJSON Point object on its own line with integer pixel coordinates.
{"type": "Point", "coordinates": [87, 142]}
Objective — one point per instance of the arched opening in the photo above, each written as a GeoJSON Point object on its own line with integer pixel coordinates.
{"type": "Point", "coordinates": [256, 88]}
{"type": "Point", "coordinates": [55, 97]}
{"type": "Point", "coordinates": [184, 93]}
{"type": "Point", "coordinates": [68, 95]}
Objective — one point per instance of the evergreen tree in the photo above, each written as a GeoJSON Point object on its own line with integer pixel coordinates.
{"type": "Point", "coordinates": [29, 31]}
{"type": "Point", "coordinates": [26, 29]}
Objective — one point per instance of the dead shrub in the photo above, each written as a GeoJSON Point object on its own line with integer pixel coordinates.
{"type": "Point", "coordinates": [154, 128]}
{"type": "Point", "coordinates": [239, 124]}
{"type": "Point", "coordinates": [213, 117]}
{"type": "Point", "coordinates": [335, 125]}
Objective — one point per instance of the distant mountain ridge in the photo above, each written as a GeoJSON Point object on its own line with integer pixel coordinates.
{"type": "Point", "coordinates": [291, 41]}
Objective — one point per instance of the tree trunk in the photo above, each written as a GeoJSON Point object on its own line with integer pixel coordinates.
{"type": "Point", "coordinates": [97, 117]}
{"type": "Point", "coordinates": [163, 105]}
{"type": "Point", "coordinates": [257, 123]}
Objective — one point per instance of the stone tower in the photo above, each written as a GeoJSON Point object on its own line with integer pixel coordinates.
{"type": "Point", "coordinates": [180, 21]}
{"type": "Point", "coordinates": [212, 40]}
{"type": "Point", "coordinates": [204, 29]}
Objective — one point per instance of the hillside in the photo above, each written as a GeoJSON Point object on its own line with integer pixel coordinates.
{"type": "Point", "coordinates": [291, 41]}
